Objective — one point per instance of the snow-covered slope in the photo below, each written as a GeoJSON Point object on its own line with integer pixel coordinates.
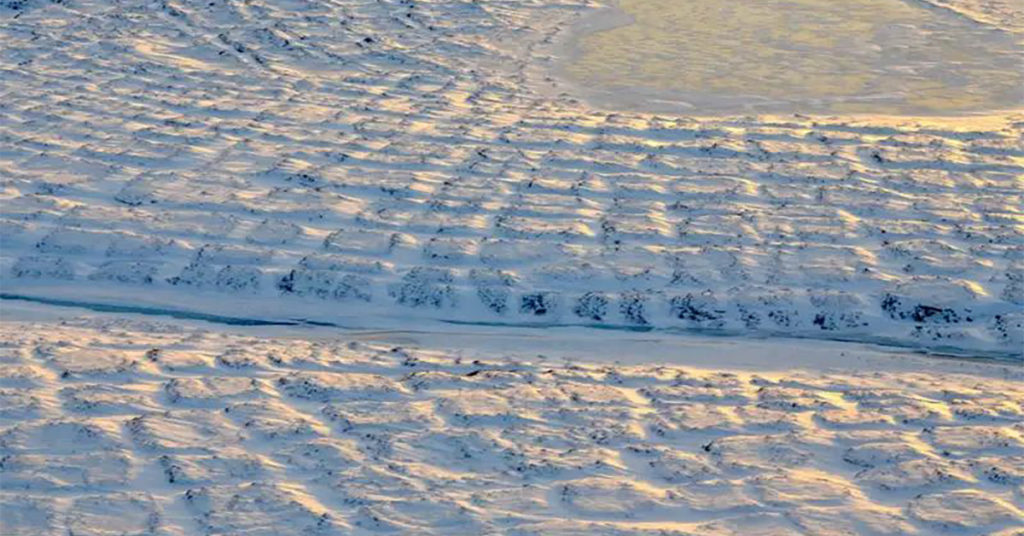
{"type": "Point", "coordinates": [401, 159]}
{"type": "Point", "coordinates": [111, 426]}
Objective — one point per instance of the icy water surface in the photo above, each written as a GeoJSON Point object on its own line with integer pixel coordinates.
{"type": "Point", "coordinates": [816, 56]}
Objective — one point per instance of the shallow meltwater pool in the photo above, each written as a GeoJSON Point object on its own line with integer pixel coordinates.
{"type": "Point", "coordinates": [888, 57]}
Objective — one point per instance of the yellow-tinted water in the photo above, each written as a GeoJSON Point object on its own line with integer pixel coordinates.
{"type": "Point", "coordinates": [831, 56]}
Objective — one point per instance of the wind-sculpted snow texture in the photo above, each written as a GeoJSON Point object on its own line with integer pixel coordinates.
{"type": "Point", "coordinates": [124, 427]}
{"type": "Point", "coordinates": [398, 158]}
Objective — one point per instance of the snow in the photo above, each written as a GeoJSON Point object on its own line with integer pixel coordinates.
{"type": "Point", "coordinates": [295, 267]}
{"type": "Point", "coordinates": [871, 57]}
{"type": "Point", "coordinates": [379, 161]}
{"type": "Point", "coordinates": [321, 431]}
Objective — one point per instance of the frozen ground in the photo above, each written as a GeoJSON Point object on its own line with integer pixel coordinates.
{"type": "Point", "coordinates": [113, 425]}
{"type": "Point", "coordinates": [812, 56]}
{"type": "Point", "coordinates": [406, 159]}
{"type": "Point", "coordinates": [412, 169]}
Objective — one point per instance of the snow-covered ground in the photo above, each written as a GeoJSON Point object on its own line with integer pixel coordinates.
{"type": "Point", "coordinates": [360, 267]}
{"type": "Point", "coordinates": [407, 159]}
{"type": "Point", "coordinates": [110, 425]}
{"type": "Point", "coordinates": [905, 57]}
